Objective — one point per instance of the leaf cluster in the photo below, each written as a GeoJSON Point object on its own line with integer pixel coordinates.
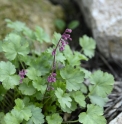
{"type": "Point", "coordinates": [32, 102]}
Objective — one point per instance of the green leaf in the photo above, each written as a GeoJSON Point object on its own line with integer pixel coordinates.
{"type": "Point", "coordinates": [16, 114]}
{"type": "Point", "coordinates": [73, 78]}
{"type": "Point", "coordinates": [37, 116]}
{"type": "Point", "coordinates": [10, 119]}
{"type": "Point", "coordinates": [52, 109]}
{"type": "Point", "coordinates": [79, 98]}
{"type": "Point", "coordinates": [88, 45]}
{"type": "Point", "coordinates": [103, 83]}
{"type": "Point", "coordinates": [38, 95]}
{"type": "Point", "coordinates": [7, 69]}
{"type": "Point", "coordinates": [62, 85]}
{"type": "Point", "coordinates": [41, 35]}
{"type": "Point", "coordinates": [86, 72]}
{"type": "Point", "coordinates": [22, 110]}
{"type": "Point", "coordinates": [40, 85]}
{"type": "Point", "coordinates": [77, 57]}
{"type": "Point", "coordinates": [60, 24]}
{"type": "Point", "coordinates": [2, 92]}
{"type": "Point", "coordinates": [27, 89]}
{"type": "Point", "coordinates": [98, 100]}
{"type": "Point", "coordinates": [19, 104]}
{"type": "Point", "coordinates": [83, 88]}
{"type": "Point", "coordinates": [26, 101]}
{"type": "Point", "coordinates": [63, 98]}
{"type": "Point", "coordinates": [72, 108]}
{"type": "Point", "coordinates": [2, 118]}
{"type": "Point", "coordinates": [32, 73]}
{"type": "Point", "coordinates": [11, 81]}
{"type": "Point", "coordinates": [17, 25]}
{"type": "Point", "coordinates": [13, 47]}
{"type": "Point", "coordinates": [12, 36]}
{"type": "Point", "coordinates": [45, 60]}
{"type": "Point", "coordinates": [73, 24]}
{"type": "Point", "coordinates": [28, 32]}
{"type": "Point", "coordinates": [92, 116]}
{"type": "Point", "coordinates": [54, 119]}
{"type": "Point", "coordinates": [59, 56]}
{"type": "Point", "coordinates": [56, 38]}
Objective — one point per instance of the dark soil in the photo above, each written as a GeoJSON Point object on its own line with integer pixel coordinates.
{"type": "Point", "coordinates": [73, 12]}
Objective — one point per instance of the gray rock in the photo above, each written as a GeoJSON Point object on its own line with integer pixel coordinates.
{"type": "Point", "coordinates": [117, 120]}
{"type": "Point", "coordinates": [33, 13]}
{"type": "Point", "coordinates": [37, 12]}
{"type": "Point", "coordinates": [104, 17]}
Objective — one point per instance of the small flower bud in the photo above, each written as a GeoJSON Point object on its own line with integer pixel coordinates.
{"type": "Point", "coordinates": [61, 48]}
{"type": "Point", "coordinates": [53, 52]}
{"type": "Point", "coordinates": [51, 78]}
{"type": "Point", "coordinates": [68, 30]}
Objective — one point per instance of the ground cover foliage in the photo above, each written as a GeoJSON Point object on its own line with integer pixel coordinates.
{"type": "Point", "coordinates": [40, 87]}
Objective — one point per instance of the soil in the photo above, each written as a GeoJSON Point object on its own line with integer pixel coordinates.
{"type": "Point", "coordinates": [72, 12]}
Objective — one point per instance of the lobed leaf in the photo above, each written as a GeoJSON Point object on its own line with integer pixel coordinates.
{"type": "Point", "coordinates": [102, 83]}
{"type": "Point", "coordinates": [7, 77]}
{"type": "Point", "coordinates": [40, 85]}
{"type": "Point", "coordinates": [23, 111]}
{"type": "Point", "coordinates": [63, 98]}
{"type": "Point", "coordinates": [79, 98]}
{"type": "Point", "coordinates": [56, 38]}
{"type": "Point", "coordinates": [27, 89]}
{"type": "Point", "coordinates": [74, 77]}
{"type": "Point", "coordinates": [17, 25]}
{"type": "Point", "coordinates": [41, 35]}
{"type": "Point", "coordinates": [2, 118]}
{"type": "Point", "coordinates": [88, 45]}
{"type": "Point", "coordinates": [37, 117]}
{"type": "Point", "coordinates": [10, 119]}
{"type": "Point", "coordinates": [98, 100]}
{"type": "Point", "coordinates": [92, 116]}
{"type": "Point", "coordinates": [54, 119]}
{"type": "Point", "coordinates": [13, 47]}
{"type": "Point", "coordinates": [32, 73]}
{"type": "Point", "coordinates": [72, 108]}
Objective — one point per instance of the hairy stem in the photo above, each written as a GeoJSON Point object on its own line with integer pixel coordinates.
{"type": "Point", "coordinates": [53, 66]}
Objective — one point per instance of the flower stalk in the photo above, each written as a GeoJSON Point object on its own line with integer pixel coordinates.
{"type": "Point", "coordinates": [61, 44]}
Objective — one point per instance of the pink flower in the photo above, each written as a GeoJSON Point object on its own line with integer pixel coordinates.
{"type": "Point", "coordinates": [51, 78]}
{"type": "Point", "coordinates": [22, 73]}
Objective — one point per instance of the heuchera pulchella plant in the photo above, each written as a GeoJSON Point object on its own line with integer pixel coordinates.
{"type": "Point", "coordinates": [40, 87]}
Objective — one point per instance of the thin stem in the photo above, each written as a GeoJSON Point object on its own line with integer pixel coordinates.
{"type": "Point", "coordinates": [53, 65]}
{"type": "Point", "coordinates": [47, 100]}
{"type": "Point", "coordinates": [66, 122]}
{"type": "Point", "coordinates": [55, 55]}
{"type": "Point", "coordinates": [45, 92]}
{"type": "Point", "coordinates": [22, 65]}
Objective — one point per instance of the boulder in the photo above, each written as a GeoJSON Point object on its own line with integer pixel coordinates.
{"type": "Point", "coordinates": [104, 17]}
{"type": "Point", "coordinates": [37, 12]}
{"type": "Point", "coordinates": [31, 12]}
{"type": "Point", "coordinates": [117, 120]}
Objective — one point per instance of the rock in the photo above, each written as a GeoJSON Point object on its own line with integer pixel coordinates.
{"type": "Point", "coordinates": [33, 13]}
{"type": "Point", "coordinates": [117, 120]}
{"type": "Point", "coordinates": [104, 17]}
{"type": "Point", "coordinates": [37, 12]}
